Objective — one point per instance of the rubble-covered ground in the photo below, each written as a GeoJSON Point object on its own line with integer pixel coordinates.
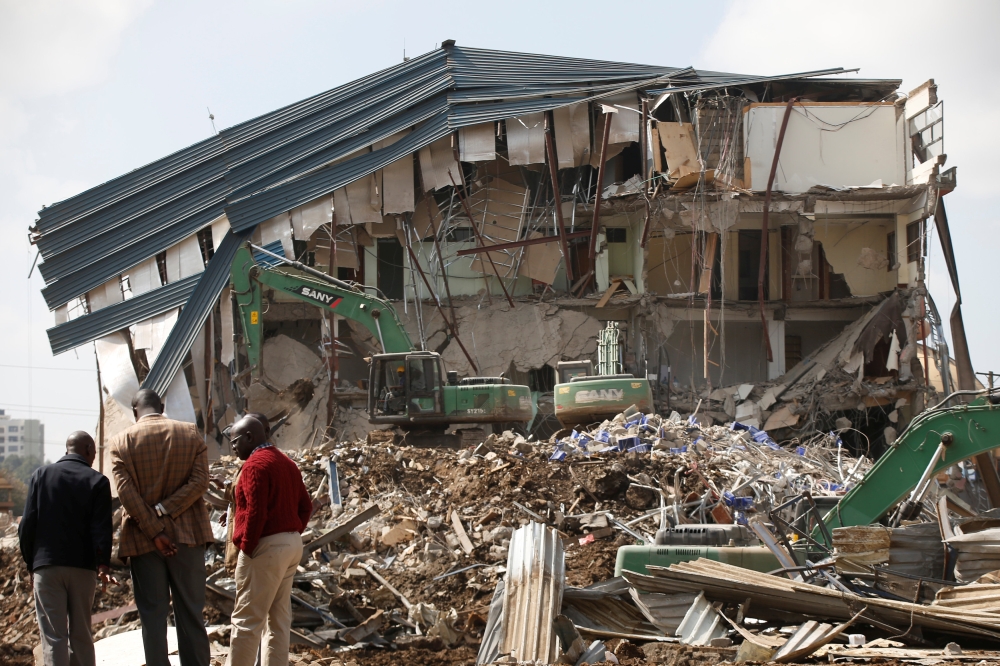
{"type": "Point", "coordinates": [445, 518]}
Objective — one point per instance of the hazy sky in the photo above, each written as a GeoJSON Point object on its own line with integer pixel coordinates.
{"type": "Point", "coordinates": [91, 90]}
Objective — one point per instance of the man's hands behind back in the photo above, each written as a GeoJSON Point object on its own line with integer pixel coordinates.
{"type": "Point", "coordinates": [165, 545]}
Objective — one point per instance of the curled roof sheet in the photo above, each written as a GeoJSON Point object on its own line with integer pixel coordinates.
{"type": "Point", "coordinates": [283, 159]}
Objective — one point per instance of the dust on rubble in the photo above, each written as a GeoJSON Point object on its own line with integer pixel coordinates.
{"type": "Point", "coordinates": [443, 526]}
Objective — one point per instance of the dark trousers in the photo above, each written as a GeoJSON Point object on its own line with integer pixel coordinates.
{"type": "Point", "coordinates": [155, 580]}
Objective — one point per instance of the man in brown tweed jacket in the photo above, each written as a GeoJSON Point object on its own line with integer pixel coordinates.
{"type": "Point", "coordinates": [161, 471]}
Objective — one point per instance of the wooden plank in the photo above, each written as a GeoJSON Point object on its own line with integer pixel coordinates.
{"type": "Point", "coordinates": [365, 629]}
{"type": "Point", "coordinates": [607, 294]}
{"type": "Point", "coordinates": [305, 637]}
{"type": "Point", "coordinates": [463, 538]}
{"type": "Point", "coordinates": [340, 531]}
{"type": "Point", "coordinates": [657, 150]}
{"type": "Point", "coordinates": [711, 243]}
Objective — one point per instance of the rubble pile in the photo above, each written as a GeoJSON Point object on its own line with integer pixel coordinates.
{"type": "Point", "coordinates": [428, 550]}
{"type": "Point", "coordinates": [720, 473]}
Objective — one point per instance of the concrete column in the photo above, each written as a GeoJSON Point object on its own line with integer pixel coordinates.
{"type": "Point", "coordinates": [601, 265]}
{"type": "Point", "coordinates": [776, 332]}
{"type": "Point", "coordinates": [371, 265]}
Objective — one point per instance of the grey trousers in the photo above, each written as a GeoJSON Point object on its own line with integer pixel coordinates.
{"type": "Point", "coordinates": [157, 579]}
{"type": "Point", "coordinates": [64, 597]}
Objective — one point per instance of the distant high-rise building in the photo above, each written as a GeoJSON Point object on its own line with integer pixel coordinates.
{"type": "Point", "coordinates": [21, 437]}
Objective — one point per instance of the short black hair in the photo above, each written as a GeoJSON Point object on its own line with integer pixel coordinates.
{"type": "Point", "coordinates": [147, 398]}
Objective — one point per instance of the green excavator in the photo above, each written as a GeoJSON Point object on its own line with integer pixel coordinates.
{"type": "Point", "coordinates": [581, 397]}
{"type": "Point", "coordinates": [407, 388]}
{"type": "Point", "coordinates": [934, 440]}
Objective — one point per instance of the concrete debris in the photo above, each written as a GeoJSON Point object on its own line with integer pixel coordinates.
{"type": "Point", "coordinates": [507, 550]}
{"type": "Point", "coordinates": [529, 541]}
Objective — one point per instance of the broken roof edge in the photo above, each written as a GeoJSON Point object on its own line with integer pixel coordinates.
{"type": "Point", "coordinates": [281, 197]}
{"type": "Point", "coordinates": [97, 324]}
{"type": "Point", "coordinates": [222, 139]}
{"type": "Point", "coordinates": [663, 95]}
{"type": "Point", "coordinates": [197, 308]}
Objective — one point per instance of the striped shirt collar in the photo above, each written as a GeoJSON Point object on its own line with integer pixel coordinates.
{"type": "Point", "coordinates": [265, 445]}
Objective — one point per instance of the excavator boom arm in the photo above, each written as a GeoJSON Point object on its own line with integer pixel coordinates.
{"type": "Point", "coordinates": [966, 431]}
{"type": "Point", "coordinates": [375, 314]}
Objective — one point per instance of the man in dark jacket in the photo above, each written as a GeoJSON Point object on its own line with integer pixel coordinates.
{"type": "Point", "coordinates": [65, 536]}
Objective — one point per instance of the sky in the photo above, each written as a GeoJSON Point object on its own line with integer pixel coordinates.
{"type": "Point", "coordinates": [91, 90]}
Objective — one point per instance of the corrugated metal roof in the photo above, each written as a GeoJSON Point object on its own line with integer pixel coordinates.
{"type": "Point", "coordinates": [115, 317]}
{"type": "Point", "coordinates": [272, 163]}
{"type": "Point", "coordinates": [128, 255]}
{"type": "Point", "coordinates": [251, 211]}
{"type": "Point", "coordinates": [194, 314]}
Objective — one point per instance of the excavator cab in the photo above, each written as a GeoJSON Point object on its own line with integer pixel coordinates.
{"type": "Point", "coordinates": [405, 388]}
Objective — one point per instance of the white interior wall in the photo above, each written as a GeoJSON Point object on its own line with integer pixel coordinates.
{"type": "Point", "coordinates": [849, 145]}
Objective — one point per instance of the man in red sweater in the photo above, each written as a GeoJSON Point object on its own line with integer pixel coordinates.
{"type": "Point", "coordinates": [272, 508]}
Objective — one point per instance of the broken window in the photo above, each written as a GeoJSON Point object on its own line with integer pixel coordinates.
{"type": "Point", "coordinates": [927, 134]}
{"type": "Point", "coordinates": [161, 267]}
{"type": "Point", "coordinates": [542, 379]}
{"type": "Point", "coordinates": [631, 162]}
{"type": "Point", "coordinates": [390, 268]}
{"type": "Point", "coordinates": [748, 250]}
{"type": "Point", "coordinates": [914, 241]}
{"type": "Point", "coordinates": [460, 235]}
{"type": "Point", "coordinates": [302, 252]}
{"type": "Point", "coordinates": [206, 244]}
{"type": "Point", "coordinates": [617, 235]}
{"type": "Point", "coordinates": [793, 351]}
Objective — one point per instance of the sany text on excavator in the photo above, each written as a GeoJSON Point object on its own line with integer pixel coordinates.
{"type": "Point", "coordinates": [407, 387]}
{"type": "Point", "coordinates": [583, 397]}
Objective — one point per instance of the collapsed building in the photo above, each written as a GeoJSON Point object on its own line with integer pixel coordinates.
{"type": "Point", "coordinates": [755, 244]}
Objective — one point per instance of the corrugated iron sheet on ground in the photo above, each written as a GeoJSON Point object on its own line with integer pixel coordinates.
{"type": "Point", "coordinates": [779, 598]}
{"type": "Point", "coordinates": [536, 575]}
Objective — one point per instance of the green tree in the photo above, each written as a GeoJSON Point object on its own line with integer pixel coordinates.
{"type": "Point", "coordinates": [20, 467]}
{"type": "Point", "coordinates": [19, 493]}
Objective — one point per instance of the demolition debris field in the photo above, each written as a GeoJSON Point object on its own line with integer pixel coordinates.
{"type": "Point", "coordinates": [433, 528]}
{"type": "Point", "coordinates": [422, 551]}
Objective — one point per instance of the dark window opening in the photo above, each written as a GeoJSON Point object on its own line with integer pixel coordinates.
{"type": "Point", "coordinates": [914, 241]}
{"type": "Point", "coordinates": [302, 253]}
{"type": "Point", "coordinates": [838, 286]}
{"type": "Point", "coordinates": [793, 351]}
{"type": "Point", "coordinates": [880, 357]}
{"type": "Point", "coordinates": [617, 235]}
{"type": "Point", "coordinates": [346, 274]}
{"type": "Point", "coordinates": [206, 244]}
{"type": "Point", "coordinates": [583, 267]}
{"type": "Point", "coordinates": [141, 363]}
{"type": "Point", "coordinates": [631, 160]}
{"type": "Point", "coordinates": [161, 266]}
{"type": "Point", "coordinates": [749, 265]}
{"type": "Point", "coordinates": [890, 250]}
{"type": "Point", "coordinates": [542, 379]}
{"type": "Point", "coordinates": [460, 235]}
{"type": "Point", "coordinates": [390, 268]}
